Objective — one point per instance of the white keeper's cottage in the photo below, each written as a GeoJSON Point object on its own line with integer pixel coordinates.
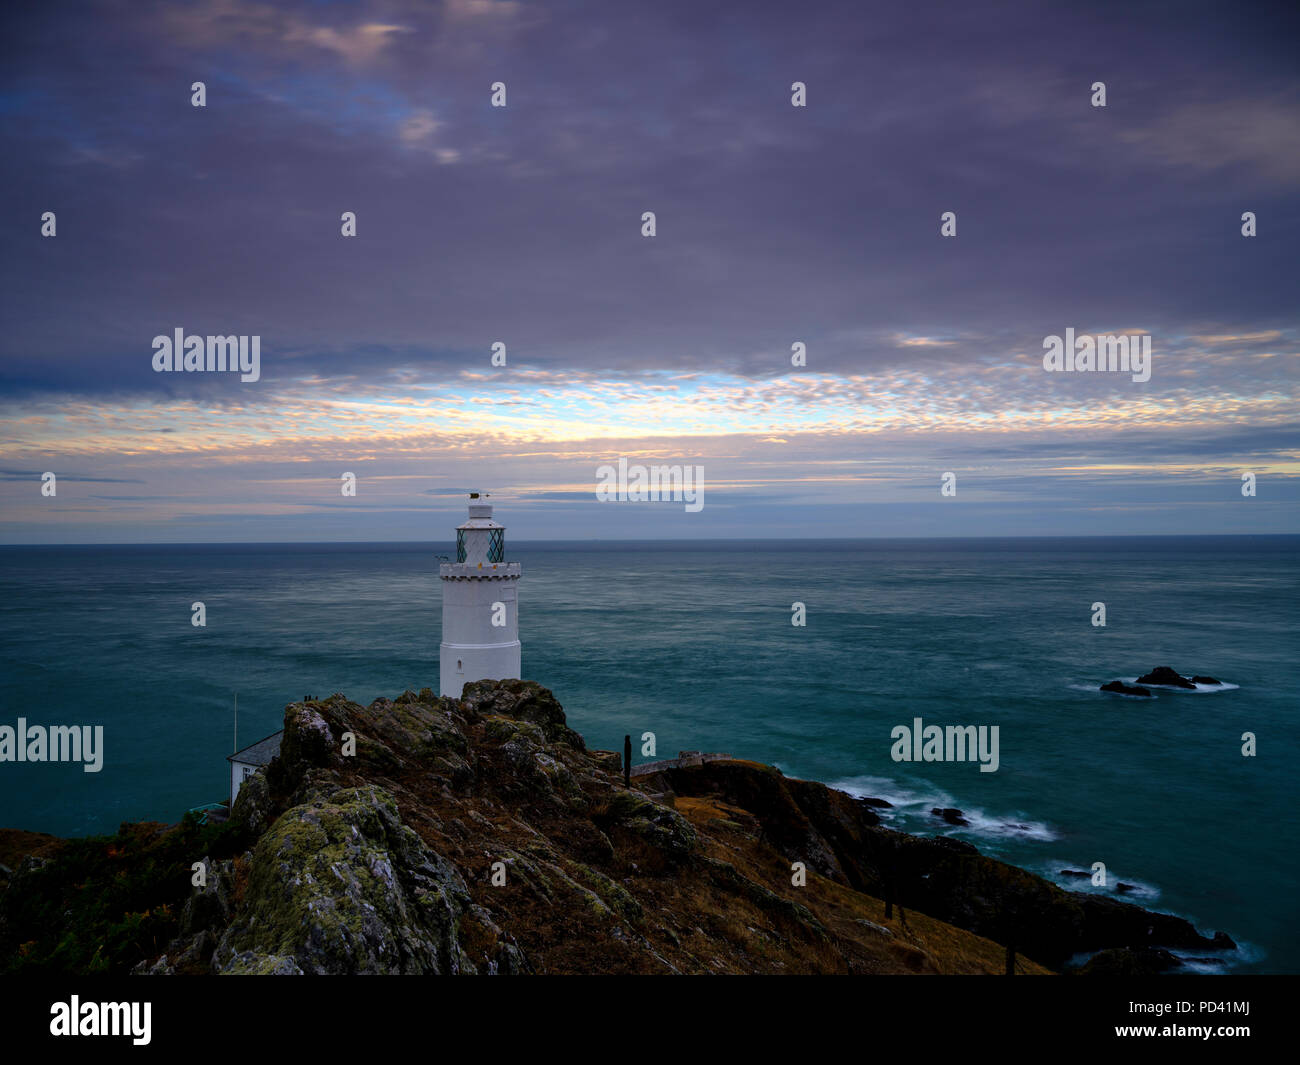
{"type": "Point", "coordinates": [480, 605]}
{"type": "Point", "coordinates": [243, 764]}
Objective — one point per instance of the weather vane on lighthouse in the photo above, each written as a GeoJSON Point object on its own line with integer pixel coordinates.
{"type": "Point", "coordinates": [480, 605]}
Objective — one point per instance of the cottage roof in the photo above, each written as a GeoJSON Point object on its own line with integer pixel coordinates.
{"type": "Point", "coordinates": [259, 753]}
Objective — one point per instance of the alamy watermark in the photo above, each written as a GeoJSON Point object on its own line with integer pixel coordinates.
{"type": "Point", "coordinates": [75, 1017]}
{"type": "Point", "coordinates": [651, 484]}
{"type": "Point", "coordinates": [196, 354]}
{"type": "Point", "coordinates": [1117, 353]}
{"type": "Point", "coordinates": [952, 743]}
{"type": "Point", "coordinates": [57, 743]}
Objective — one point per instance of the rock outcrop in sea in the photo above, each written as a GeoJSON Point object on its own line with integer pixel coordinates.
{"type": "Point", "coordinates": [480, 835]}
{"type": "Point", "coordinates": [1161, 676]}
{"type": "Point", "coordinates": [1118, 687]}
{"type": "Point", "coordinates": [1169, 678]}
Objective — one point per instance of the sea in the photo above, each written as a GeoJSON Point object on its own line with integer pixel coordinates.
{"type": "Point", "coordinates": [694, 643]}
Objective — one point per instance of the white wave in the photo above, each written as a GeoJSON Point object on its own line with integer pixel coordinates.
{"type": "Point", "coordinates": [1211, 962]}
{"type": "Point", "coordinates": [908, 803]}
{"type": "Point", "coordinates": [1201, 964]}
{"type": "Point", "coordinates": [1200, 689]}
{"type": "Point", "coordinates": [1194, 963]}
{"type": "Point", "coordinates": [1140, 889]}
{"type": "Point", "coordinates": [1097, 688]}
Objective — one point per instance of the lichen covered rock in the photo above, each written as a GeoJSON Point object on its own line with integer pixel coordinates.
{"type": "Point", "coordinates": [343, 886]}
{"type": "Point", "coordinates": [663, 832]}
{"type": "Point", "coordinates": [523, 699]}
{"type": "Point", "coordinates": [254, 808]}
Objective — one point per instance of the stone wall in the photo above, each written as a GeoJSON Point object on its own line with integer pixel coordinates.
{"type": "Point", "coordinates": [683, 759]}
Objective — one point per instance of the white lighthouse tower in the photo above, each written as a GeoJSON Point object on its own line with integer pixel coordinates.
{"type": "Point", "coordinates": [480, 605]}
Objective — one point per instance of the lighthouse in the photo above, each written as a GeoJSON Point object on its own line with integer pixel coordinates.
{"type": "Point", "coordinates": [480, 605]}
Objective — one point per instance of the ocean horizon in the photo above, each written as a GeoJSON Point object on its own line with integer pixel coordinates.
{"type": "Point", "coordinates": [693, 641]}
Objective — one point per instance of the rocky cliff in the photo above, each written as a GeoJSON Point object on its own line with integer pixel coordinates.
{"type": "Point", "coordinates": [479, 835]}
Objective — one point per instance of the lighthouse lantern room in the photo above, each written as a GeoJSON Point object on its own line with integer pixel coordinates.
{"type": "Point", "coordinates": [480, 605]}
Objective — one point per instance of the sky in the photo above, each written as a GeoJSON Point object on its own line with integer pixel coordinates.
{"type": "Point", "coordinates": [522, 225]}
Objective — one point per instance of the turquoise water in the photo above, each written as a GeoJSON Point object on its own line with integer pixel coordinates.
{"type": "Point", "coordinates": [693, 641]}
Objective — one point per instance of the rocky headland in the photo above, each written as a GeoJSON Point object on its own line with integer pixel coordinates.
{"type": "Point", "coordinates": [480, 835]}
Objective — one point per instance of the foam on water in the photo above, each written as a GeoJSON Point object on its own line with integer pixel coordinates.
{"type": "Point", "coordinates": [1213, 963]}
{"type": "Point", "coordinates": [1096, 690]}
{"type": "Point", "coordinates": [1142, 892]}
{"type": "Point", "coordinates": [1200, 689]}
{"type": "Point", "coordinates": [910, 803]}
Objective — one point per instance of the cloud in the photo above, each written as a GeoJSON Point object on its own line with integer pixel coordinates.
{"type": "Point", "coordinates": [1261, 135]}
{"type": "Point", "coordinates": [418, 127]}
{"type": "Point", "coordinates": [468, 11]}
{"type": "Point", "coordinates": [359, 45]}
{"type": "Point", "coordinates": [1243, 338]}
{"type": "Point", "coordinates": [776, 225]}
{"type": "Point", "coordinates": [35, 475]}
{"type": "Point", "coordinates": [923, 342]}
{"type": "Point", "coordinates": [274, 28]}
